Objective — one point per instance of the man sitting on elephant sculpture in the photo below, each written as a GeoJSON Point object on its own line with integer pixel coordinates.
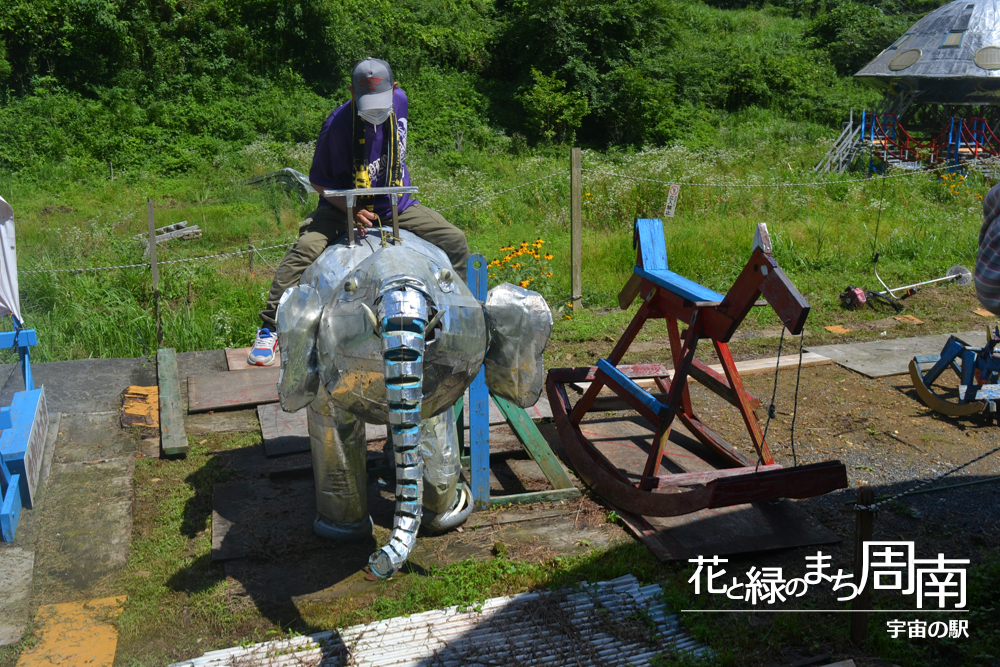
{"type": "Point", "coordinates": [389, 333]}
{"type": "Point", "coordinates": [361, 144]}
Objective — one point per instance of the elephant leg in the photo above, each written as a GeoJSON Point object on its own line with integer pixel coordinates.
{"type": "Point", "coordinates": [337, 440]}
{"type": "Point", "coordinates": [446, 505]}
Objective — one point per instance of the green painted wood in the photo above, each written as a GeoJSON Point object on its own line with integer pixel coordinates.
{"type": "Point", "coordinates": [173, 439]}
{"type": "Point", "coordinates": [534, 443]}
{"type": "Point", "coordinates": [536, 497]}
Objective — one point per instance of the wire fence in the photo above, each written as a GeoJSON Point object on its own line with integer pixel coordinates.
{"type": "Point", "coordinates": [520, 186]}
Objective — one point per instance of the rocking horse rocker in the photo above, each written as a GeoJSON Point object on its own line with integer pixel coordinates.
{"type": "Point", "coordinates": [713, 316]}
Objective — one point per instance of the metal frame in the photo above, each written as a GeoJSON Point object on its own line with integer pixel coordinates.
{"type": "Point", "coordinates": [353, 193]}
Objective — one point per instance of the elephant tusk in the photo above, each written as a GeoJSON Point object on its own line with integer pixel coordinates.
{"type": "Point", "coordinates": [434, 322]}
{"type": "Point", "coordinates": [372, 320]}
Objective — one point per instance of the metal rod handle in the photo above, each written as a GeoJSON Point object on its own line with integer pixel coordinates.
{"type": "Point", "coordinates": [350, 221]}
{"type": "Point", "coordinates": [394, 199]}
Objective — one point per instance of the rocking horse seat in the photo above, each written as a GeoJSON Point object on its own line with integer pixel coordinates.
{"type": "Point", "coordinates": [681, 286]}
{"type": "Point", "coordinates": [653, 265]}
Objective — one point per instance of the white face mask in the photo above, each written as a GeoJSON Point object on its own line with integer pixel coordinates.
{"type": "Point", "coordinates": [375, 116]}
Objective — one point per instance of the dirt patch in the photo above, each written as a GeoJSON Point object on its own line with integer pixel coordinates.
{"type": "Point", "coordinates": [49, 210]}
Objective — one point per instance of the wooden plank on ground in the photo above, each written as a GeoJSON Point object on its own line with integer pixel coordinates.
{"type": "Point", "coordinates": [283, 432]}
{"type": "Point", "coordinates": [173, 438]}
{"type": "Point", "coordinates": [75, 633]}
{"type": "Point", "coordinates": [222, 391]}
{"type": "Point", "coordinates": [236, 358]}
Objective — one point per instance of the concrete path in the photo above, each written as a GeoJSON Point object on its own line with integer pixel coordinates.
{"type": "Point", "coordinates": [15, 592]}
{"type": "Point", "coordinates": [891, 356]}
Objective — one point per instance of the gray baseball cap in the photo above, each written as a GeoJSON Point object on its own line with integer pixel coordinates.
{"type": "Point", "coordinates": [372, 84]}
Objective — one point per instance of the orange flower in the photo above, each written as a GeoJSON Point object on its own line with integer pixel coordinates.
{"type": "Point", "coordinates": [548, 275]}
{"type": "Point", "coordinates": [548, 256]}
{"type": "Point", "coordinates": [525, 283]}
{"type": "Point", "coordinates": [567, 317]}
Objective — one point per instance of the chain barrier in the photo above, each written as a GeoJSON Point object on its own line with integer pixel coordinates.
{"type": "Point", "coordinates": [773, 185]}
{"type": "Point", "coordinates": [511, 189]}
{"type": "Point", "coordinates": [924, 483]}
{"type": "Point", "coordinates": [500, 192]}
{"type": "Point", "coordinates": [169, 261]}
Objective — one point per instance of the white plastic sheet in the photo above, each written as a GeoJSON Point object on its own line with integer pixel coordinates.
{"type": "Point", "coordinates": [10, 299]}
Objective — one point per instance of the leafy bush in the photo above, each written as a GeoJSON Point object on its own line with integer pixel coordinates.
{"type": "Point", "coordinates": [853, 34]}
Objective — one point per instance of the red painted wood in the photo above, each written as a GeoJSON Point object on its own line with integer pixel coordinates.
{"type": "Point", "coordinates": [677, 389]}
{"type": "Point", "coordinates": [749, 418]}
{"type": "Point", "coordinates": [805, 481]}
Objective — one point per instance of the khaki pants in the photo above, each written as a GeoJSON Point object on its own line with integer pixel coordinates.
{"type": "Point", "coordinates": [326, 224]}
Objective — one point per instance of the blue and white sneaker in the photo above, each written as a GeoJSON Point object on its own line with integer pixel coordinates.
{"type": "Point", "coordinates": [262, 352]}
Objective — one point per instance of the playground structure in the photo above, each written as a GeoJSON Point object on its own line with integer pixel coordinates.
{"type": "Point", "coordinates": [24, 424]}
{"type": "Point", "coordinates": [709, 315]}
{"type": "Point", "coordinates": [940, 81]}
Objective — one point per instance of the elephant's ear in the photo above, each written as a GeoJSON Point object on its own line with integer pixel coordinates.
{"type": "Point", "coordinates": [298, 324]}
{"type": "Point", "coordinates": [519, 323]}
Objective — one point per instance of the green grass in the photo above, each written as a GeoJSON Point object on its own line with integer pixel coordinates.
{"type": "Point", "coordinates": [824, 236]}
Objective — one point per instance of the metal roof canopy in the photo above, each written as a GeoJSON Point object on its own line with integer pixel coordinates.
{"type": "Point", "coordinates": [950, 56]}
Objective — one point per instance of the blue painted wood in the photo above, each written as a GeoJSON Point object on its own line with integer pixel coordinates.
{"type": "Point", "coordinates": [21, 445]}
{"type": "Point", "coordinates": [478, 278]}
{"type": "Point", "coordinates": [952, 349]}
{"type": "Point", "coordinates": [24, 338]}
{"type": "Point", "coordinates": [679, 285]}
{"type": "Point", "coordinates": [10, 510]}
{"type": "Point", "coordinates": [629, 385]}
{"type": "Point", "coordinates": [5, 421]}
{"type": "Point", "coordinates": [479, 401]}
{"type": "Point", "coordinates": [927, 358]}
{"type": "Point", "coordinates": [652, 243]}
{"type": "Point", "coordinates": [968, 373]}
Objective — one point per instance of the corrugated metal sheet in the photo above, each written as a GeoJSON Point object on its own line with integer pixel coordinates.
{"type": "Point", "coordinates": [615, 622]}
{"type": "Point", "coordinates": [939, 72]}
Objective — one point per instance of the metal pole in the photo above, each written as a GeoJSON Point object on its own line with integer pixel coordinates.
{"type": "Point", "coordinates": [350, 221]}
{"type": "Point", "coordinates": [250, 253]}
{"type": "Point", "coordinates": [395, 216]}
{"type": "Point", "coordinates": [576, 226]}
{"type": "Point", "coordinates": [155, 271]}
{"type": "Point", "coordinates": [863, 533]}
{"type": "Point", "coordinates": [111, 167]}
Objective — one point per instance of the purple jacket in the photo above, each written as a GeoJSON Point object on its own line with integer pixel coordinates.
{"type": "Point", "coordinates": [333, 160]}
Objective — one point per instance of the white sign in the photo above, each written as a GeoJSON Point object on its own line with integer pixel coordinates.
{"type": "Point", "coordinates": [668, 212]}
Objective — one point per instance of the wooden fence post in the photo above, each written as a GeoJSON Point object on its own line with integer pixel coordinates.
{"type": "Point", "coordinates": [576, 226]}
{"type": "Point", "coordinates": [250, 254]}
{"type": "Point", "coordinates": [863, 533]}
{"type": "Point", "coordinates": [155, 271]}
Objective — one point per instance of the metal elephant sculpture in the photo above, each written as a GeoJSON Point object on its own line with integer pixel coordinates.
{"type": "Point", "coordinates": [389, 334]}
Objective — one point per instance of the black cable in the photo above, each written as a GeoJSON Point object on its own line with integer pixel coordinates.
{"type": "Point", "coordinates": [770, 408]}
{"type": "Point", "coordinates": [795, 409]}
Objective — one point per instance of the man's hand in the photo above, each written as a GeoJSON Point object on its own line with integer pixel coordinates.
{"type": "Point", "coordinates": [363, 219]}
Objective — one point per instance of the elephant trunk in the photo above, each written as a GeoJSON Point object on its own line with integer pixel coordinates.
{"type": "Point", "coordinates": [403, 316]}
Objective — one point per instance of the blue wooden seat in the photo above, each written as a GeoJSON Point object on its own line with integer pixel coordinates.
{"type": "Point", "coordinates": [649, 236]}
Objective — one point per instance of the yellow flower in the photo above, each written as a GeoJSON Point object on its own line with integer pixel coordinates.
{"type": "Point", "coordinates": [548, 256]}
{"type": "Point", "coordinates": [548, 275]}
{"type": "Point", "coordinates": [525, 283]}
{"type": "Point", "coordinates": [567, 317]}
